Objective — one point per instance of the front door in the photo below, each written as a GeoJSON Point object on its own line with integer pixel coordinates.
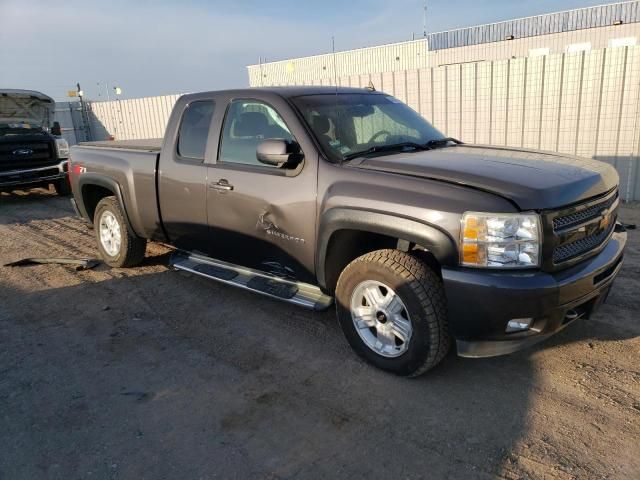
{"type": "Point", "coordinates": [261, 216]}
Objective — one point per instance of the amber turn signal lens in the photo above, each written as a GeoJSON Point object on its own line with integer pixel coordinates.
{"type": "Point", "coordinates": [470, 253]}
{"type": "Point", "coordinates": [471, 228]}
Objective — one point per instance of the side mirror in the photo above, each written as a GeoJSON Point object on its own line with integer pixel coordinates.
{"type": "Point", "coordinates": [279, 153]}
{"type": "Point", "coordinates": [56, 130]}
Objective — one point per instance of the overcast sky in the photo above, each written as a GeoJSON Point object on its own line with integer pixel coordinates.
{"type": "Point", "coordinates": [160, 47]}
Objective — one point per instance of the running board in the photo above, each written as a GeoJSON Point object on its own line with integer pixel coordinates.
{"type": "Point", "coordinates": [302, 294]}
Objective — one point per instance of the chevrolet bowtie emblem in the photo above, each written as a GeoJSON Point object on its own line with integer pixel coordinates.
{"type": "Point", "coordinates": [606, 219]}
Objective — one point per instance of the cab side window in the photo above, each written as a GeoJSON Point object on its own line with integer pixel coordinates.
{"type": "Point", "coordinates": [194, 130]}
{"type": "Point", "coordinates": [247, 124]}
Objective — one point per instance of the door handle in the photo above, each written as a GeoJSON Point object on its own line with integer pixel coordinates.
{"type": "Point", "coordinates": [221, 185]}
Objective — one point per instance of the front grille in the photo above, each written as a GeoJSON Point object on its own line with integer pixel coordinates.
{"type": "Point", "coordinates": [42, 156]}
{"type": "Point", "coordinates": [580, 247]}
{"type": "Point", "coordinates": [576, 218]}
{"type": "Point", "coordinates": [577, 232]}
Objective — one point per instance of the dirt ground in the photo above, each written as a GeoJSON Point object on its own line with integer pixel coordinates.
{"type": "Point", "coordinates": [149, 373]}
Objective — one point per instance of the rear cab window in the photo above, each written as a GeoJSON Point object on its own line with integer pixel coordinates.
{"type": "Point", "coordinates": [194, 130]}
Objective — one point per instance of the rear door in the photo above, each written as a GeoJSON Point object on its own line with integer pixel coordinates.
{"type": "Point", "coordinates": [182, 184]}
{"type": "Point", "coordinates": [262, 216]}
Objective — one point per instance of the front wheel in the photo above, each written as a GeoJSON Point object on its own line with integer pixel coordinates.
{"type": "Point", "coordinates": [391, 307]}
{"type": "Point", "coordinates": [117, 245]}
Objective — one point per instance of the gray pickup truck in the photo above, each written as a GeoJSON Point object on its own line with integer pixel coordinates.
{"type": "Point", "coordinates": [316, 194]}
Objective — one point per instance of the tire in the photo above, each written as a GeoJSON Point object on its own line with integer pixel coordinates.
{"type": "Point", "coordinates": [62, 187]}
{"type": "Point", "coordinates": [422, 305]}
{"type": "Point", "coordinates": [130, 249]}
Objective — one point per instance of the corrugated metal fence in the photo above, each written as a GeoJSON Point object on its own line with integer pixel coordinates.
{"type": "Point", "coordinates": [71, 117]}
{"type": "Point", "coordinates": [131, 119]}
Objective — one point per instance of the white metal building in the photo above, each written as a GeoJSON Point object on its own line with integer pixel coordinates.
{"type": "Point", "coordinates": [571, 31]}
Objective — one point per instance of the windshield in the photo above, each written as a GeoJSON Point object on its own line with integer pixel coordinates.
{"type": "Point", "coordinates": [346, 124]}
{"type": "Point", "coordinates": [19, 128]}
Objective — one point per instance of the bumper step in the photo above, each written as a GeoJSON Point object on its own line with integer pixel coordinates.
{"type": "Point", "coordinates": [302, 294]}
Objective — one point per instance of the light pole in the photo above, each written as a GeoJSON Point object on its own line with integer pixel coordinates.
{"type": "Point", "coordinates": [118, 92]}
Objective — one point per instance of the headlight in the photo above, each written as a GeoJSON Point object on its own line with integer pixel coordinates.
{"type": "Point", "coordinates": [500, 240]}
{"type": "Point", "coordinates": [62, 147]}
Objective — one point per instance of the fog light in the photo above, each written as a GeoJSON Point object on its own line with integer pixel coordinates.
{"type": "Point", "coordinates": [519, 325]}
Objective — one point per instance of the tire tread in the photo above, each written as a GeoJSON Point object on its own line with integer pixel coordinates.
{"type": "Point", "coordinates": [428, 289]}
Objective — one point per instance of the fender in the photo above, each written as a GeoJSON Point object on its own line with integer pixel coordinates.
{"type": "Point", "coordinates": [90, 178]}
{"type": "Point", "coordinates": [429, 236]}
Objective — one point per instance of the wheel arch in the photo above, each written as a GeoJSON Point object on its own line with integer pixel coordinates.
{"type": "Point", "coordinates": [94, 188]}
{"type": "Point", "coordinates": [345, 234]}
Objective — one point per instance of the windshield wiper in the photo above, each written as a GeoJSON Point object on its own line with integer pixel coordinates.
{"type": "Point", "coordinates": [394, 147]}
{"type": "Point", "coordinates": [442, 142]}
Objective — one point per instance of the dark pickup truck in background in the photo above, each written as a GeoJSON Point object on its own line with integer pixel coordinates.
{"type": "Point", "coordinates": [30, 154]}
{"type": "Point", "coordinates": [313, 194]}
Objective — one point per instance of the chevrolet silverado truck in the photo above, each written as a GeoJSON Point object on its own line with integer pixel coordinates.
{"type": "Point", "coordinates": [316, 195]}
{"type": "Point", "coordinates": [30, 156]}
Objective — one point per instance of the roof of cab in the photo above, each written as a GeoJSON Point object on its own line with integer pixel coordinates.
{"type": "Point", "coordinates": [292, 91]}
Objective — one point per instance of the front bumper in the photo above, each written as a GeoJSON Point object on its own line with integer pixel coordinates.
{"type": "Point", "coordinates": [481, 302]}
{"type": "Point", "coordinates": [34, 176]}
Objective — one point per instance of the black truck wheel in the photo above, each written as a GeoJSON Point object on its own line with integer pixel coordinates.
{"type": "Point", "coordinates": [392, 309]}
{"type": "Point", "coordinates": [117, 245]}
{"type": "Point", "coordinates": [62, 187]}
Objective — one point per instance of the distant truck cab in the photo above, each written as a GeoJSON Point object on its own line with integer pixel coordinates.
{"type": "Point", "coordinates": [32, 152]}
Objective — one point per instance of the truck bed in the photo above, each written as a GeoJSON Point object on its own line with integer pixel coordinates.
{"type": "Point", "coordinates": [131, 165]}
{"type": "Point", "coordinates": [147, 144]}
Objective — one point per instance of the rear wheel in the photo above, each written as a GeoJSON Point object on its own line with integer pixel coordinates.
{"type": "Point", "coordinates": [62, 187]}
{"type": "Point", "coordinates": [391, 307]}
{"type": "Point", "coordinates": [117, 245]}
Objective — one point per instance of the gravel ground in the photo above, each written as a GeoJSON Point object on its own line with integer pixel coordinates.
{"type": "Point", "coordinates": [149, 373]}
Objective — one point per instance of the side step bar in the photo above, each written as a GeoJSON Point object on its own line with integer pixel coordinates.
{"type": "Point", "coordinates": [302, 294]}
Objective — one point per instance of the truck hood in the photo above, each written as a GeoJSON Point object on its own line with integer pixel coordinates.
{"type": "Point", "coordinates": [533, 180]}
{"type": "Point", "coordinates": [25, 106]}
